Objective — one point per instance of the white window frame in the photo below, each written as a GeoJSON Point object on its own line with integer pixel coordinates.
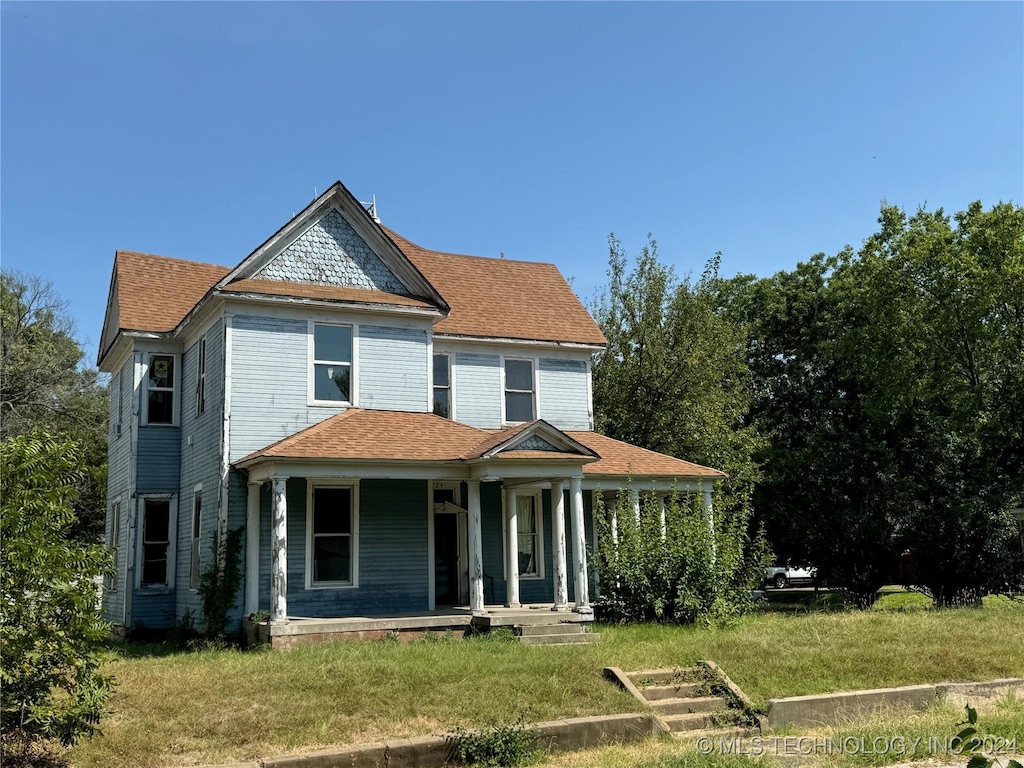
{"type": "Point", "coordinates": [122, 377]}
{"type": "Point", "coordinates": [312, 362]}
{"type": "Point", "coordinates": [538, 505]}
{"type": "Point", "coordinates": [196, 554]}
{"type": "Point", "coordinates": [435, 386]}
{"type": "Point", "coordinates": [201, 376]}
{"type": "Point", "coordinates": [114, 543]}
{"type": "Point", "coordinates": [505, 390]}
{"type": "Point", "coordinates": [175, 389]}
{"type": "Point", "coordinates": [172, 533]}
{"type": "Point", "coordinates": [353, 486]}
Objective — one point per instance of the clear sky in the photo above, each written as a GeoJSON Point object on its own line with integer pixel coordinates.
{"type": "Point", "coordinates": [765, 131]}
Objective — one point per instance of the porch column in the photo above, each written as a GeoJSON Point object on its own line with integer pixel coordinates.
{"type": "Point", "coordinates": [252, 550]}
{"type": "Point", "coordinates": [476, 556]}
{"type": "Point", "coordinates": [634, 498]}
{"type": "Point", "coordinates": [511, 550]}
{"type": "Point", "coordinates": [279, 553]}
{"type": "Point", "coordinates": [709, 517]}
{"type": "Point", "coordinates": [664, 520]}
{"type": "Point", "coordinates": [579, 533]}
{"type": "Point", "coordinates": [558, 537]}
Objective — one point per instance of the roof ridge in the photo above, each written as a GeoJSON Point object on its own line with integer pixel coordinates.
{"type": "Point", "coordinates": [468, 255]}
{"type": "Point", "coordinates": [126, 252]}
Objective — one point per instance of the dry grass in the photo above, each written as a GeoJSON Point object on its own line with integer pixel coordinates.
{"type": "Point", "coordinates": [221, 706]}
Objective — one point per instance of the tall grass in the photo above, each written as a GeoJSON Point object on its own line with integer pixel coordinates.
{"type": "Point", "coordinates": [220, 706]}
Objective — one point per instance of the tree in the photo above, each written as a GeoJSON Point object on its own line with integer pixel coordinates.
{"type": "Point", "coordinates": [50, 627]}
{"type": "Point", "coordinates": [43, 385]}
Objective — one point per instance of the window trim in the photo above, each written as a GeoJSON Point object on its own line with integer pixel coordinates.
{"type": "Point", "coordinates": [172, 533]}
{"type": "Point", "coordinates": [114, 544]}
{"type": "Point", "coordinates": [196, 553]}
{"type": "Point", "coordinates": [175, 390]}
{"type": "Point", "coordinates": [201, 377]}
{"type": "Point", "coordinates": [312, 362]}
{"type": "Point", "coordinates": [538, 503]}
{"type": "Point", "coordinates": [353, 486]}
{"type": "Point", "coordinates": [449, 386]}
{"type": "Point", "coordinates": [534, 368]}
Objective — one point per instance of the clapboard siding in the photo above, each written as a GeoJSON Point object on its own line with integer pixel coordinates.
{"type": "Point", "coordinates": [158, 460]}
{"type": "Point", "coordinates": [478, 390]}
{"type": "Point", "coordinates": [563, 396]}
{"type": "Point", "coordinates": [152, 610]}
{"type": "Point", "coordinates": [392, 368]}
{"type": "Point", "coordinates": [393, 568]}
{"type": "Point", "coordinates": [200, 461]}
{"type": "Point", "coordinates": [118, 464]}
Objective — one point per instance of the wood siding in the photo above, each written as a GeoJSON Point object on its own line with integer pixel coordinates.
{"type": "Point", "coordinates": [564, 394]}
{"type": "Point", "coordinates": [478, 389]}
{"type": "Point", "coordinates": [392, 368]}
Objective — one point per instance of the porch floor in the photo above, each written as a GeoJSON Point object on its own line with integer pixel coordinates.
{"type": "Point", "coordinates": [300, 630]}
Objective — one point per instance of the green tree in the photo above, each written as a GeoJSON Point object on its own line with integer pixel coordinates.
{"type": "Point", "coordinates": [43, 385]}
{"type": "Point", "coordinates": [50, 629]}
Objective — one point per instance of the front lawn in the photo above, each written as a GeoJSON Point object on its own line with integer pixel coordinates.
{"type": "Point", "coordinates": [221, 706]}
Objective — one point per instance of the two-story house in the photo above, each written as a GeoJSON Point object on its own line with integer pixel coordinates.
{"type": "Point", "coordinates": [396, 429]}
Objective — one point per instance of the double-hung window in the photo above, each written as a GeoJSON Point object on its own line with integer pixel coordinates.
{"type": "Point", "coordinates": [156, 542]}
{"type": "Point", "coordinates": [442, 386]}
{"type": "Point", "coordinates": [519, 401]}
{"type": "Point", "coordinates": [160, 390]}
{"type": "Point", "coordinates": [528, 524]}
{"type": "Point", "coordinates": [114, 543]}
{"type": "Point", "coordinates": [333, 536]}
{"type": "Point", "coordinates": [201, 377]}
{"type": "Point", "coordinates": [332, 363]}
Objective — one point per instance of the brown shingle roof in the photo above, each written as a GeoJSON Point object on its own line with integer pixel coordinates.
{"type": "Point", "coordinates": [503, 298]}
{"type": "Point", "coordinates": [627, 460]}
{"type": "Point", "coordinates": [330, 292]}
{"type": "Point", "coordinates": [154, 293]}
{"type": "Point", "coordinates": [359, 434]}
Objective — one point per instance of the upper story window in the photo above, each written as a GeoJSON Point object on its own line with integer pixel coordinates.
{"type": "Point", "coordinates": [442, 386]}
{"type": "Point", "coordinates": [160, 389]}
{"type": "Point", "coordinates": [519, 400]}
{"type": "Point", "coordinates": [201, 378]}
{"type": "Point", "coordinates": [122, 393]}
{"type": "Point", "coordinates": [332, 363]}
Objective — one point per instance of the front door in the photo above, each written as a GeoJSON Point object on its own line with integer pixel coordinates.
{"type": "Point", "coordinates": [451, 582]}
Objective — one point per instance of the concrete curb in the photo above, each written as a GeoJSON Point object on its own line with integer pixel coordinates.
{"type": "Point", "coordinates": [619, 677]}
{"type": "Point", "coordinates": [435, 751]}
{"type": "Point", "coordinates": [740, 696]}
{"type": "Point", "coordinates": [827, 709]}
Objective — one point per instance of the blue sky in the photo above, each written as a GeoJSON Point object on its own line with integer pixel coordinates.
{"type": "Point", "coordinates": [765, 131]}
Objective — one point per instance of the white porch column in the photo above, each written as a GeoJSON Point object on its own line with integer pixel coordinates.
{"type": "Point", "coordinates": [511, 550]}
{"type": "Point", "coordinates": [252, 550]}
{"type": "Point", "coordinates": [476, 556]}
{"type": "Point", "coordinates": [664, 520]}
{"type": "Point", "coordinates": [634, 498]}
{"type": "Point", "coordinates": [558, 537]}
{"type": "Point", "coordinates": [581, 585]}
{"type": "Point", "coordinates": [709, 517]}
{"type": "Point", "coordinates": [279, 553]}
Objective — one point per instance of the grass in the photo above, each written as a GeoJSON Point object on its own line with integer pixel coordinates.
{"type": "Point", "coordinates": [222, 706]}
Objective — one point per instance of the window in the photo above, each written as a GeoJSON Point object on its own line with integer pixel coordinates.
{"type": "Point", "coordinates": [442, 386]}
{"type": "Point", "coordinates": [201, 378]}
{"type": "Point", "coordinates": [161, 390]}
{"type": "Point", "coordinates": [122, 391]}
{"type": "Point", "coordinates": [114, 542]}
{"type": "Point", "coordinates": [332, 537]}
{"type": "Point", "coordinates": [529, 535]}
{"type": "Point", "coordinates": [156, 542]}
{"type": "Point", "coordinates": [332, 363]}
{"type": "Point", "coordinates": [197, 530]}
{"type": "Point", "coordinates": [518, 390]}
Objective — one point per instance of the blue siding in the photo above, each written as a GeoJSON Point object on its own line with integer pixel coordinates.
{"type": "Point", "coordinates": [563, 393]}
{"type": "Point", "coordinates": [478, 390]}
{"type": "Point", "coordinates": [392, 368]}
{"type": "Point", "coordinates": [118, 464]}
{"type": "Point", "coordinates": [152, 610]}
{"type": "Point", "coordinates": [158, 460]}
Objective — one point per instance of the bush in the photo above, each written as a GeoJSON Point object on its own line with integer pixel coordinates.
{"type": "Point", "coordinates": [688, 573]}
{"type": "Point", "coordinates": [500, 745]}
{"type": "Point", "coordinates": [50, 628]}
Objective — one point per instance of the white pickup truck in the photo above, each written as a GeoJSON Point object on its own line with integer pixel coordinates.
{"type": "Point", "coordinates": [782, 576]}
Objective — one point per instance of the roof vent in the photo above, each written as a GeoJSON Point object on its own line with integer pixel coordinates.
{"type": "Point", "coordinates": [371, 208]}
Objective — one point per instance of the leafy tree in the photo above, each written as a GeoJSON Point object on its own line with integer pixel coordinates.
{"type": "Point", "coordinates": [50, 627]}
{"type": "Point", "coordinates": [43, 385]}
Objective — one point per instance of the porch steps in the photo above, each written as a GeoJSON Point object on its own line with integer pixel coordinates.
{"type": "Point", "coordinates": [686, 700]}
{"type": "Point", "coordinates": [566, 633]}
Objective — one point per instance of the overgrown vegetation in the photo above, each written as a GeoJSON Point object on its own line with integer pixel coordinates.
{"type": "Point", "coordinates": [50, 630]}
{"type": "Point", "coordinates": [220, 582]}
{"type": "Point", "coordinates": [501, 744]}
{"type": "Point", "coordinates": [677, 562]}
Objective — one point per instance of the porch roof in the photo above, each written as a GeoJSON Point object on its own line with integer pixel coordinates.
{"type": "Point", "coordinates": [363, 435]}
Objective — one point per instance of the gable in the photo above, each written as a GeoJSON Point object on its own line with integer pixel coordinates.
{"type": "Point", "coordinates": [332, 253]}
{"type": "Point", "coordinates": [534, 443]}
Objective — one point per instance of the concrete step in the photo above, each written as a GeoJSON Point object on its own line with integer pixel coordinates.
{"type": "Point", "coordinates": [692, 721]}
{"type": "Point", "coordinates": [694, 704]}
{"type": "Point", "coordinates": [532, 630]}
{"type": "Point", "coordinates": [657, 692]}
{"type": "Point", "coordinates": [568, 639]}
{"type": "Point", "coordinates": [728, 732]}
{"type": "Point", "coordinates": [656, 676]}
